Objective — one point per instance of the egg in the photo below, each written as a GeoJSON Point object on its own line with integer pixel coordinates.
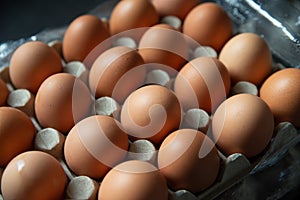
{"type": "Point", "coordinates": [243, 124]}
{"type": "Point", "coordinates": [281, 91]}
{"type": "Point", "coordinates": [189, 160]}
{"type": "Point", "coordinates": [116, 73]}
{"type": "Point", "coordinates": [208, 24]}
{"type": "Point", "coordinates": [151, 112]}
{"type": "Point", "coordinates": [83, 35]}
{"type": "Point", "coordinates": [178, 8]}
{"type": "Point", "coordinates": [131, 14]}
{"type": "Point", "coordinates": [61, 101]}
{"type": "Point", "coordinates": [203, 83]}
{"type": "Point", "coordinates": [33, 175]}
{"type": "Point", "coordinates": [94, 145]}
{"type": "Point", "coordinates": [16, 134]}
{"type": "Point", "coordinates": [32, 63]}
{"type": "Point", "coordinates": [247, 58]}
{"type": "Point", "coordinates": [3, 93]}
{"type": "Point", "coordinates": [157, 46]}
{"type": "Point", "coordinates": [133, 180]}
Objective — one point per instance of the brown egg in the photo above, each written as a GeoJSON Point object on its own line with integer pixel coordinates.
{"type": "Point", "coordinates": [94, 145]}
{"type": "Point", "coordinates": [133, 180]}
{"type": "Point", "coordinates": [116, 73]}
{"type": "Point", "coordinates": [189, 160]}
{"type": "Point", "coordinates": [243, 124]}
{"type": "Point", "coordinates": [131, 14]}
{"type": "Point", "coordinates": [82, 36]}
{"type": "Point", "coordinates": [202, 83]}
{"type": "Point", "coordinates": [33, 175]}
{"type": "Point", "coordinates": [3, 92]}
{"type": "Point", "coordinates": [61, 101]}
{"type": "Point", "coordinates": [16, 134]}
{"type": "Point", "coordinates": [157, 46]}
{"type": "Point", "coordinates": [247, 58]}
{"type": "Point", "coordinates": [151, 112]}
{"type": "Point", "coordinates": [179, 8]}
{"type": "Point", "coordinates": [32, 63]}
{"type": "Point", "coordinates": [208, 24]}
{"type": "Point", "coordinates": [281, 91]}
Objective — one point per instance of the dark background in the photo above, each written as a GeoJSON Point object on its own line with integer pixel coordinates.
{"type": "Point", "coordinates": [23, 18]}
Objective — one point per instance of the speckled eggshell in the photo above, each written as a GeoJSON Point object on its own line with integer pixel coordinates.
{"type": "Point", "coordinates": [95, 145]}
{"type": "Point", "coordinates": [32, 63]}
{"type": "Point", "coordinates": [133, 180]}
{"type": "Point", "coordinates": [189, 160]}
{"type": "Point", "coordinates": [281, 91]}
{"type": "Point", "coordinates": [3, 92]}
{"type": "Point", "coordinates": [208, 24]}
{"type": "Point", "coordinates": [33, 175]}
{"type": "Point", "coordinates": [247, 58]}
{"type": "Point", "coordinates": [16, 134]}
{"type": "Point", "coordinates": [62, 100]}
{"type": "Point", "coordinates": [243, 124]}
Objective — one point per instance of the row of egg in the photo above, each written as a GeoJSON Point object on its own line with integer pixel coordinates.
{"type": "Point", "coordinates": [239, 129]}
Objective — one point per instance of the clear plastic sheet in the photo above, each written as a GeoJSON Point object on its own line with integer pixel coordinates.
{"type": "Point", "coordinates": [278, 172]}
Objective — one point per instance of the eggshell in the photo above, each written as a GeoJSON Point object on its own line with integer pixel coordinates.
{"type": "Point", "coordinates": [32, 63]}
{"type": "Point", "coordinates": [116, 73]}
{"type": "Point", "coordinates": [61, 101]}
{"type": "Point", "coordinates": [189, 160]}
{"type": "Point", "coordinates": [3, 93]}
{"type": "Point", "coordinates": [157, 46]}
{"type": "Point", "coordinates": [208, 24]}
{"type": "Point", "coordinates": [94, 145]}
{"type": "Point", "coordinates": [179, 8]}
{"type": "Point", "coordinates": [82, 36]}
{"type": "Point", "coordinates": [281, 91]}
{"type": "Point", "coordinates": [151, 112]}
{"type": "Point", "coordinates": [33, 175]}
{"type": "Point", "coordinates": [131, 14]}
{"type": "Point", "coordinates": [202, 83]}
{"type": "Point", "coordinates": [243, 124]}
{"type": "Point", "coordinates": [16, 134]}
{"type": "Point", "coordinates": [247, 58]}
{"type": "Point", "coordinates": [133, 180]}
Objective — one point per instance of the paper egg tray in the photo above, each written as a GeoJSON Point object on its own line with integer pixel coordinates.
{"type": "Point", "coordinates": [234, 168]}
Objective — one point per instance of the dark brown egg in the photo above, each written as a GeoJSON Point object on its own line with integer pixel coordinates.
{"type": "Point", "coordinates": [3, 92]}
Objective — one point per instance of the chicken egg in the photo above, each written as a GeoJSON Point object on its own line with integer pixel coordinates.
{"type": "Point", "coordinates": [133, 180]}
{"type": "Point", "coordinates": [247, 58]}
{"type": "Point", "coordinates": [3, 92]}
{"type": "Point", "coordinates": [33, 175]}
{"type": "Point", "coordinates": [94, 145]}
{"type": "Point", "coordinates": [32, 63]}
{"type": "Point", "coordinates": [281, 91]}
{"type": "Point", "coordinates": [16, 134]}
{"type": "Point", "coordinates": [61, 101]}
{"type": "Point", "coordinates": [243, 124]}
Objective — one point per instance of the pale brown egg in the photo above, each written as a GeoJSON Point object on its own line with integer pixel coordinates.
{"type": "Point", "coordinates": [189, 160]}
{"type": "Point", "coordinates": [208, 24]}
{"type": "Point", "coordinates": [131, 14]}
{"type": "Point", "coordinates": [151, 112]}
{"type": "Point", "coordinates": [281, 91]}
{"type": "Point", "coordinates": [133, 180]}
{"type": "Point", "coordinates": [179, 8]}
{"type": "Point", "coordinates": [116, 73]}
{"type": "Point", "coordinates": [33, 175]}
{"type": "Point", "coordinates": [16, 134]}
{"type": "Point", "coordinates": [95, 145]}
{"type": "Point", "coordinates": [157, 46]}
{"type": "Point", "coordinates": [61, 101]}
{"type": "Point", "coordinates": [84, 34]}
{"type": "Point", "coordinates": [247, 58]}
{"type": "Point", "coordinates": [3, 92]}
{"type": "Point", "coordinates": [243, 124]}
{"type": "Point", "coordinates": [202, 83]}
{"type": "Point", "coordinates": [32, 63]}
